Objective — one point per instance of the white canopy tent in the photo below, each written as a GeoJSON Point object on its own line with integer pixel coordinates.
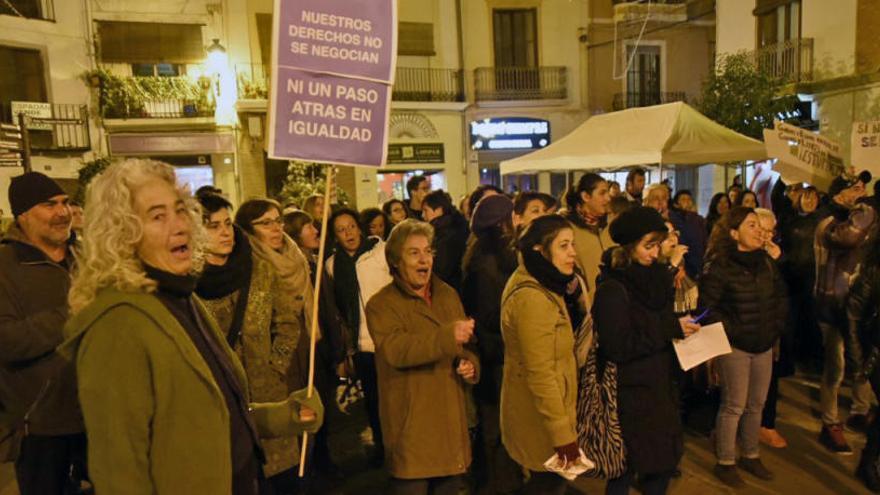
{"type": "Point", "coordinates": [674, 133]}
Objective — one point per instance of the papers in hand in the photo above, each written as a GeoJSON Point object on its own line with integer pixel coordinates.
{"type": "Point", "coordinates": [573, 470]}
{"type": "Point", "coordinates": [710, 341]}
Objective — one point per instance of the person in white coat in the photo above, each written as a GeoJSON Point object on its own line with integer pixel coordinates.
{"type": "Point", "coordinates": [358, 270]}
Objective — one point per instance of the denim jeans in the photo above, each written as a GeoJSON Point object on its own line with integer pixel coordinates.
{"type": "Point", "coordinates": [837, 348]}
{"type": "Point", "coordinates": [745, 378]}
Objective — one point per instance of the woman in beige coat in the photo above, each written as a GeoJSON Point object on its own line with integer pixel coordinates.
{"type": "Point", "coordinates": [420, 331]}
{"type": "Point", "coordinates": [541, 304]}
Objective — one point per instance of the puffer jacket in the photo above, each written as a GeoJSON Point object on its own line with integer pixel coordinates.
{"type": "Point", "coordinates": [862, 306]}
{"type": "Point", "coordinates": [839, 246]}
{"type": "Point", "coordinates": [745, 292]}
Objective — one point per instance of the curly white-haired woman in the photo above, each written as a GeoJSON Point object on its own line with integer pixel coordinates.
{"type": "Point", "coordinates": [165, 399]}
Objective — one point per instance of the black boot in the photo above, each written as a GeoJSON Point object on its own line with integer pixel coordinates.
{"type": "Point", "coordinates": [868, 473]}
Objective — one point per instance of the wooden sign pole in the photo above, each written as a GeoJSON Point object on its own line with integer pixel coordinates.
{"type": "Point", "coordinates": [319, 270]}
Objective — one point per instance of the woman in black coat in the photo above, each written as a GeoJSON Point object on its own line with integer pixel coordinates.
{"type": "Point", "coordinates": [489, 260]}
{"type": "Point", "coordinates": [742, 288]}
{"type": "Point", "coordinates": [633, 315]}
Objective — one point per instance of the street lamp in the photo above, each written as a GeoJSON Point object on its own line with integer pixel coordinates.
{"type": "Point", "coordinates": [218, 61]}
{"type": "Point", "coordinates": [222, 83]}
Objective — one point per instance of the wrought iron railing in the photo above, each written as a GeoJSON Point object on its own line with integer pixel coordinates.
{"type": "Point", "coordinates": [633, 100]}
{"type": "Point", "coordinates": [66, 128]}
{"type": "Point", "coordinates": [520, 83]}
{"type": "Point", "coordinates": [29, 9]}
{"type": "Point", "coordinates": [416, 84]}
{"type": "Point", "coordinates": [154, 97]}
{"type": "Point", "coordinates": [789, 61]}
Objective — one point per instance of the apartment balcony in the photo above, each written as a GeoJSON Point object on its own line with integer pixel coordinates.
{"type": "Point", "coordinates": [623, 101]}
{"type": "Point", "coordinates": [433, 85]}
{"type": "Point", "coordinates": [151, 97]}
{"type": "Point", "coordinates": [790, 61]}
{"type": "Point", "coordinates": [62, 128]}
{"type": "Point", "coordinates": [29, 9]}
{"type": "Point", "coordinates": [520, 83]}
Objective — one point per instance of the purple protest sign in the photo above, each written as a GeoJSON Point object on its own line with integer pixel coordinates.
{"type": "Point", "coordinates": [329, 119]}
{"type": "Point", "coordinates": [351, 38]}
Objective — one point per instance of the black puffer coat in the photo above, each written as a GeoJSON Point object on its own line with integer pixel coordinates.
{"type": "Point", "coordinates": [636, 327]}
{"type": "Point", "coordinates": [746, 292]}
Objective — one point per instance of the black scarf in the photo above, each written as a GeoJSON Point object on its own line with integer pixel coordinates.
{"type": "Point", "coordinates": [550, 277]}
{"type": "Point", "coordinates": [345, 282]}
{"type": "Point", "coordinates": [219, 281]}
{"type": "Point", "coordinates": [180, 286]}
{"type": "Point", "coordinates": [650, 285]}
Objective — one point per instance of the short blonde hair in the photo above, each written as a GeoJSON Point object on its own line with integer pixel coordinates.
{"type": "Point", "coordinates": [399, 234]}
{"type": "Point", "coordinates": [765, 215]}
{"type": "Point", "coordinates": [113, 231]}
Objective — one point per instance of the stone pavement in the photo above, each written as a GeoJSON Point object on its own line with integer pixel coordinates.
{"type": "Point", "coordinates": [804, 468]}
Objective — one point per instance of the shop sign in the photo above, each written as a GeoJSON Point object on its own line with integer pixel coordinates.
{"type": "Point", "coordinates": [416, 153]}
{"type": "Point", "coordinates": [511, 133]}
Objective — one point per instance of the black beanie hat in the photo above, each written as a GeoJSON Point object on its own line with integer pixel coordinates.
{"type": "Point", "coordinates": [29, 190]}
{"type": "Point", "coordinates": [491, 211]}
{"type": "Point", "coordinates": [636, 222]}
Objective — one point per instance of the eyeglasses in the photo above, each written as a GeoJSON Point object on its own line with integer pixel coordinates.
{"type": "Point", "coordinates": [277, 222]}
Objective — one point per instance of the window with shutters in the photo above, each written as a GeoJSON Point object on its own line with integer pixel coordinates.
{"type": "Point", "coordinates": [644, 76]}
{"type": "Point", "coordinates": [151, 48]}
{"type": "Point", "coordinates": [22, 77]}
{"type": "Point", "coordinates": [778, 21]}
{"type": "Point", "coordinates": [415, 38]}
{"type": "Point", "coordinates": [515, 35]}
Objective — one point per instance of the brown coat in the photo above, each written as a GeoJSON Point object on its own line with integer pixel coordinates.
{"type": "Point", "coordinates": [539, 388]}
{"type": "Point", "coordinates": [421, 397]}
{"type": "Point", "coordinates": [269, 338]}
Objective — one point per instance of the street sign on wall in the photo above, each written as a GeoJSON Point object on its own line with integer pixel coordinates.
{"type": "Point", "coordinates": [33, 110]}
{"type": "Point", "coordinates": [333, 66]}
{"type": "Point", "coordinates": [11, 146]}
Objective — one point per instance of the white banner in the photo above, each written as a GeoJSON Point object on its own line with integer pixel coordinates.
{"type": "Point", "coordinates": [866, 146]}
{"type": "Point", "coordinates": [803, 156]}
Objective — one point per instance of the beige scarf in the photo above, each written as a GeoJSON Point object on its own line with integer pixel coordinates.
{"type": "Point", "coordinates": [293, 270]}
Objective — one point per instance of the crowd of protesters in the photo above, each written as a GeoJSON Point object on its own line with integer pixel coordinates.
{"type": "Point", "coordinates": [159, 342]}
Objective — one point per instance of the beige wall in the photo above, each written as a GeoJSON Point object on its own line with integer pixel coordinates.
{"type": "Point", "coordinates": [832, 27]}
{"type": "Point", "coordinates": [867, 40]}
{"type": "Point", "coordinates": [736, 27]}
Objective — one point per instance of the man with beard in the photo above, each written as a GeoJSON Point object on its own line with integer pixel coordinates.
{"type": "Point", "coordinates": [41, 425]}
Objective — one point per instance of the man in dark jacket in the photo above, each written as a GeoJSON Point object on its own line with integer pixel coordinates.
{"type": "Point", "coordinates": [450, 236]}
{"type": "Point", "coordinates": [38, 396]}
{"type": "Point", "coordinates": [839, 247]}
{"type": "Point", "coordinates": [417, 187]}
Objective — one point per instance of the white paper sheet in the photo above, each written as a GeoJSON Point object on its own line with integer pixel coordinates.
{"type": "Point", "coordinates": [709, 342]}
{"type": "Point", "coordinates": [571, 471]}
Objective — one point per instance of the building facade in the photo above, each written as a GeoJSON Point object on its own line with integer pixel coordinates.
{"type": "Point", "coordinates": [828, 52]}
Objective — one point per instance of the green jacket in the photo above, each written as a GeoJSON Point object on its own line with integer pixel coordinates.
{"type": "Point", "coordinates": [539, 387]}
{"type": "Point", "coordinates": [155, 418]}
